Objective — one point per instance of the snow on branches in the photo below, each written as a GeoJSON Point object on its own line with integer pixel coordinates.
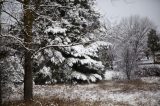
{"type": "Point", "coordinates": [55, 30]}
{"type": "Point", "coordinates": [79, 62]}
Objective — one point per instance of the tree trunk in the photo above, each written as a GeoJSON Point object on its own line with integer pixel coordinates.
{"type": "Point", "coordinates": [28, 22]}
{"type": "Point", "coordinates": [0, 69]}
{"type": "Point", "coordinates": [28, 84]}
{"type": "Point", "coordinates": [0, 87]}
{"type": "Point", "coordinates": [154, 59]}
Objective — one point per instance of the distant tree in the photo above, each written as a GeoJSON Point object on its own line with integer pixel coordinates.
{"type": "Point", "coordinates": [153, 42]}
{"type": "Point", "coordinates": [128, 61]}
{"type": "Point", "coordinates": [106, 55]}
{"type": "Point", "coordinates": [133, 40]}
{"type": "Point", "coordinates": [147, 52]}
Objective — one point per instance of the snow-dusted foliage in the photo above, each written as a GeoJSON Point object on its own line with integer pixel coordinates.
{"type": "Point", "coordinates": [69, 22]}
{"type": "Point", "coordinates": [79, 76]}
{"type": "Point", "coordinates": [78, 63]}
{"type": "Point", "coordinates": [55, 30]}
{"type": "Point", "coordinates": [12, 74]}
{"type": "Point", "coordinates": [45, 74]}
{"type": "Point", "coordinates": [66, 22]}
{"type": "Point", "coordinates": [12, 69]}
{"type": "Point", "coordinates": [75, 22]}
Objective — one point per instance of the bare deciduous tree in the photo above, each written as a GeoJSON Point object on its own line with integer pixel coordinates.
{"type": "Point", "coordinates": [133, 32]}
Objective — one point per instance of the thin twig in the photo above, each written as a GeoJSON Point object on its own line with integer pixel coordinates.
{"type": "Point", "coordinates": [17, 39]}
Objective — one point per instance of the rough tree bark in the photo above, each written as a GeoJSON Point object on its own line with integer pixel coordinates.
{"type": "Point", "coordinates": [28, 23]}
{"type": "Point", "coordinates": [154, 57]}
{"type": "Point", "coordinates": [0, 69]}
{"type": "Point", "coordinates": [127, 64]}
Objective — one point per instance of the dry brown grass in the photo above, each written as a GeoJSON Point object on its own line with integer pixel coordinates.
{"type": "Point", "coordinates": [129, 86]}
{"type": "Point", "coordinates": [63, 102]}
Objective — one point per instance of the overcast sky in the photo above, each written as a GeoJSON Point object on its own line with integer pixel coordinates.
{"type": "Point", "coordinates": [114, 10]}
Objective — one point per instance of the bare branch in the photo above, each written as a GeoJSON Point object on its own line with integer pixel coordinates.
{"type": "Point", "coordinates": [20, 23]}
{"type": "Point", "coordinates": [56, 6]}
{"type": "Point", "coordinates": [17, 39]}
{"type": "Point", "coordinates": [12, 16]}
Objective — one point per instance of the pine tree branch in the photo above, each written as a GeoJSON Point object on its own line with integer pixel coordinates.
{"type": "Point", "coordinates": [52, 46]}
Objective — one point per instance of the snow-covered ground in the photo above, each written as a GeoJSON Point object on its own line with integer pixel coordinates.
{"type": "Point", "coordinates": [146, 61]}
{"type": "Point", "coordinates": [107, 91]}
{"type": "Point", "coordinates": [151, 80]}
{"type": "Point", "coordinates": [131, 93]}
{"type": "Point", "coordinates": [114, 75]}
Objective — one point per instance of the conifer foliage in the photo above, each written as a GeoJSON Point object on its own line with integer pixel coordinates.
{"type": "Point", "coordinates": [153, 42]}
{"type": "Point", "coordinates": [75, 23]}
{"type": "Point", "coordinates": [54, 41]}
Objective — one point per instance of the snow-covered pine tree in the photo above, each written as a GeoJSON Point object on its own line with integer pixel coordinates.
{"type": "Point", "coordinates": [75, 23]}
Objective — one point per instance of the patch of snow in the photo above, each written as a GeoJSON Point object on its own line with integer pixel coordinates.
{"type": "Point", "coordinates": [71, 61]}
{"type": "Point", "coordinates": [87, 93]}
{"type": "Point", "coordinates": [85, 39]}
{"type": "Point", "coordinates": [57, 58]}
{"type": "Point", "coordinates": [146, 61]}
{"type": "Point", "coordinates": [78, 50]}
{"type": "Point", "coordinates": [79, 76]}
{"type": "Point", "coordinates": [97, 76]}
{"type": "Point", "coordinates": [90, 50]}
{"type": "Point", "coordinates": [58, 39]}
{"type": "Point", "coordinates": [45, 71]}
{"type": "Point", "coordinates": [151, 79]}
{"type": "Point", "coordinates": [92, 78]}
{"type": "Point", "coordinates": [92, 63]}
{"type": "Point", "coordinates": [110, 75]}
{"type": "Point", "coordinates": [93, 92]}
{"type": "Point", "coordinates": [55, 30]}
{"type": "Point", "coordinates": [98, 44]}
{"type": "Point", "coordinates": [48, 52]}
{"type": "Point", "coordinates": [67, 40]}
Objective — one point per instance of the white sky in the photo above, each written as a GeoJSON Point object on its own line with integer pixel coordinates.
{"type": "Point", "coordinates": [114, 10]}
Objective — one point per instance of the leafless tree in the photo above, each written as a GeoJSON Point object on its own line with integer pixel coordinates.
{"type": "Point", "coordinates": [133, 40]}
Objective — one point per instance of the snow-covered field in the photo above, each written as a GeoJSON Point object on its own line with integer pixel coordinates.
{"type": "Point", "coordinates": [114, 75]}
{"type": "Point", "coordinates": [131, 94]}
{"type": "Point", "coordinates": [110, 93]}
